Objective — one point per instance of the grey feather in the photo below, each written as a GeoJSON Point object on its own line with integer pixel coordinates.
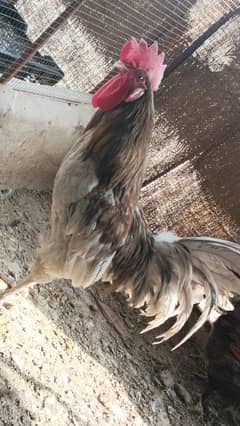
{"type": "Point", "coordinates": [212, 264]}
{"type": "Point", "coordinates": [174, 274]}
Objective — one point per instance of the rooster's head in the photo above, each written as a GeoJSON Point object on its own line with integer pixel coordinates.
{"type": "Point", "coordinates": [138, 65]}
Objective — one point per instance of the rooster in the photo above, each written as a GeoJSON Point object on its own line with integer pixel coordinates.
{"type": "Point", "coordinates": [98, 229]}
{"type": "Point", "coordinates": [223, 352]}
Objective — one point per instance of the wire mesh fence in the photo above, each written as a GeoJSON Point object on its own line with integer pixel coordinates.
{"type": "Point", "coordinates": [75, 43]}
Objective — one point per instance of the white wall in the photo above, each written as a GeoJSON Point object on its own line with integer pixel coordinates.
{"type": "Point", "coordinates": [37, 126]}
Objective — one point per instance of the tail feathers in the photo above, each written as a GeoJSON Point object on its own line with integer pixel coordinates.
{"type": "Point", "coordinates": [186, 272]}
{"type": "Point", "coordinates": [221, 258]}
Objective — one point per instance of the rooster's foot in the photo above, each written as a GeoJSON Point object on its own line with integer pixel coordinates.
{"type": "Point", "coordinates": [4, 306]}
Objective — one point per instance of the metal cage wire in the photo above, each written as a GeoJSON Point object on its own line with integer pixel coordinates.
{"type": "Point", "coordinates": [79, 49]}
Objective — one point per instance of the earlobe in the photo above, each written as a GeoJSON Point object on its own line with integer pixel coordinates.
{"type": "Point", "coordinates": [136, 94]}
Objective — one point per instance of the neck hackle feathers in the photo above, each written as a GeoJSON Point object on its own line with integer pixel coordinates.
{"type": "Point", "coordinates": [134, 55]}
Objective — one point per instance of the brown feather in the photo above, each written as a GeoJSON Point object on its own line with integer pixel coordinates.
{"type": "Point", "coordinates": [95, 192]}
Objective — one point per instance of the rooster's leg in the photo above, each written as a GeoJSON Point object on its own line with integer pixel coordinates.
{"type": "Point", "coordinates": [12, 287]}
{"type": "Point", "coordinates": [7, 281]}
{"type": "Point", "coordinates": [5, 306]}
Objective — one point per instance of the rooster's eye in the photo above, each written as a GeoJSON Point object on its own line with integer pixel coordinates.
{"type": "Point", "coordinates": [140, 78]}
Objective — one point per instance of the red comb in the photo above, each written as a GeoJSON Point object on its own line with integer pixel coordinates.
{"type": "Point", "coordinates": [136, 54]}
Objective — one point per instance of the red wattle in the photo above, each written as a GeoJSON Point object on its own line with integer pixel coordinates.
{"type": "Point", "coordinates": [112, 93]}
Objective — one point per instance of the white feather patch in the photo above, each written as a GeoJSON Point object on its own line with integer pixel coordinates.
{"type": "Point", "coordinates": [167, 237]}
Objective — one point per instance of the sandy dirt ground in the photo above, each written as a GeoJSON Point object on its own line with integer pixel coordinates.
{"type": "Point", "coordinates": [65, 361]}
